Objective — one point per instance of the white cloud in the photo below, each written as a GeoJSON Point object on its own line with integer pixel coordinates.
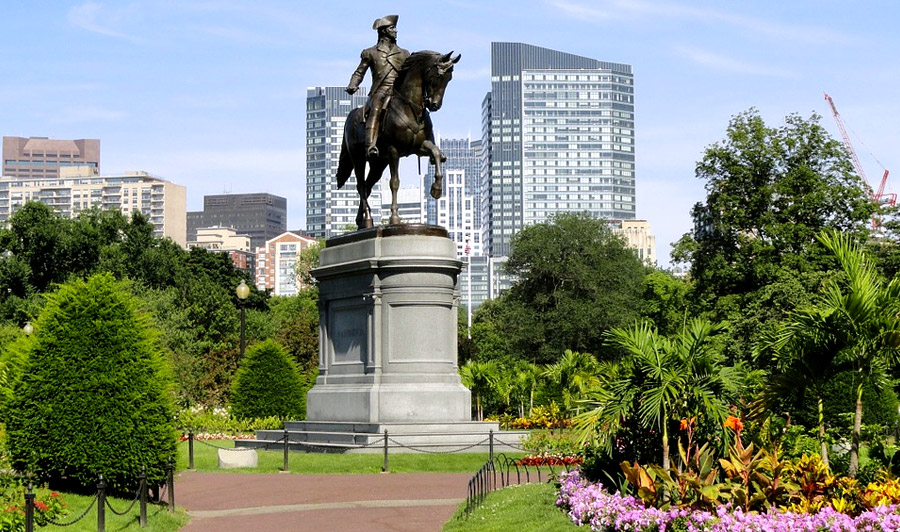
{"type": "Point", "coordinates": [729, 64]}
{"type": "Point", "coordinates": [96, 18]}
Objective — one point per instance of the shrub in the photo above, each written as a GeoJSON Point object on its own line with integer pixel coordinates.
{"type": "Point", "coordinates": [267, 383]}
{"type": "Point", "coordinates": [94, 397]}
{"type": "Point", "coordinates": [218, 423]}
{"type": "Point", "coordinates": [550, 442]}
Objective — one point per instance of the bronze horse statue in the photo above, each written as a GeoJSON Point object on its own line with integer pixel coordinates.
{"type": "Point", "coordinates": [405, 130]}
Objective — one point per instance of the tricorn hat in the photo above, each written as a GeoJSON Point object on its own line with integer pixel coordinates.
{"type": "Point", "coordinates": [389, 20]}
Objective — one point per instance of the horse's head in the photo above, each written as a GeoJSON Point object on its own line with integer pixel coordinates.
{"type": "Point", "coordinates": [436, 78]}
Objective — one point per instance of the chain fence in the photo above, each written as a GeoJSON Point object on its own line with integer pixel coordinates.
{"type": "Point", "coordinates": [383, 440]}
{"type": "Point", "coordinates": [102, 503]}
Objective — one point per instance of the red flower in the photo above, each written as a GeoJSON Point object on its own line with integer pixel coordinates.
{"type": "Point", "coordinates": [734, 424]}
{"type": "Point", "coordinates": [40, 505]}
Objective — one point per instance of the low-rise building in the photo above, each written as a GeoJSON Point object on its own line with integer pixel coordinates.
{"type": "Point", "coordinates": [276, 263]}
{"type": "Point", "coordinates": [78, 188]}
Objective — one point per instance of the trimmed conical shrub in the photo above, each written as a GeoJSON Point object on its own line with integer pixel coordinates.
{"type": "Point", "coordinates": [95, 396]}
{"type": "Point", "coordinates": [267, 383]}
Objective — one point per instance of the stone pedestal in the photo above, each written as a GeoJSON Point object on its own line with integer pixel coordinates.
{"type": "Point", "coordinates": [388, 316]}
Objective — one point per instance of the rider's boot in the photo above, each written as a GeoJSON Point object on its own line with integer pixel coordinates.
{"type": "Point", "coordinates": [371, 139]}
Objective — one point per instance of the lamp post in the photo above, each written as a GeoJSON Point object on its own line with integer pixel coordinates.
{"type": "Point", "coordinates": [242, 292]}
{"type": "Point", "coordinates": [28, 328]}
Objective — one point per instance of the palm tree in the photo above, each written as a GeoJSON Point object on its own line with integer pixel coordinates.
{"type": "Point", "coordinates": [528, 377]}
{"type": "Point", "coordinates": [857, 318]}
{"type": "Point", "coordinates": [808, 351]}
{"type": "Point", "coordinates": [660, 379]}
{"type": "Point", "coordinates": [573, 375]}
{"type": "Point", "coordinates": [479, 377]}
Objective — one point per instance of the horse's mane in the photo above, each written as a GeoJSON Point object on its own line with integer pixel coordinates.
{"type": "Point", "coordinates": [415, 61]}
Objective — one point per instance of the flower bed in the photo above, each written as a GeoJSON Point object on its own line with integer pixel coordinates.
{"type": "Point", "coordinates": [590, 504]}
{"type": "Point", "coordinates": [550, 460]}
{"type": "Point", "coordinates": [206, 436]}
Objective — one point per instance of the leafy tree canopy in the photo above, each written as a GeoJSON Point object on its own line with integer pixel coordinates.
{"type": "Point", "coordinates": [770, 191]}
{"type": "Point", "coordinates": [574, 279]}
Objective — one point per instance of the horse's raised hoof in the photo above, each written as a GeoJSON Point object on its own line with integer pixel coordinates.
{"type": "Point", "coordinates": [436, 190]}
{"type": "Point", "coordinates": [372, 153]}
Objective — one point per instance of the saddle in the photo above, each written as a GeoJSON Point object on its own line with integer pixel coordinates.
{"type": "Point", "coordinates": [363, 116]}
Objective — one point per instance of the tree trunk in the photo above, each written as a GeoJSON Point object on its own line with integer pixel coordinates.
{"type": "Point", "coordinates": [857, 427]}
{"type": "Point", "coordinates": [822, 441]}
{"type": "Point", "coordinates": [665, 444]}
{"type": "Point", "coordinates": [478, 407]}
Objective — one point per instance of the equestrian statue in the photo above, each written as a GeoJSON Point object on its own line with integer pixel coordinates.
{"type": "Point", "coordinates": [395, 122]}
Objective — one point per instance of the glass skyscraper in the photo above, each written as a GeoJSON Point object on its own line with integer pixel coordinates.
{"type": "Point", "coordinates": [330, 210]}
{"type": "Point", "coordinates": [459, 209]}
{"type": "Point", "coordinates": [558, 135]}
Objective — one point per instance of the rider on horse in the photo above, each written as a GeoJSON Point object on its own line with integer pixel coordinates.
{"type": "Point", "coordinates": [385, 59]}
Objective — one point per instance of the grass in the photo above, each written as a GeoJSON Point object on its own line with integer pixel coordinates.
{"type": "Point", "coordinates": [206, 459]}
{"type": "Point", "coordinates": [158, 517]}
{"type": "Point", "coordinates": [523, 508]}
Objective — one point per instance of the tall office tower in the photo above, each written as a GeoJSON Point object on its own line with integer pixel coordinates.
{"type": "Point", "coordinates": [409, 205]}
{"type": "Point", "coordinates": [459, 209]}
{"type": "Point", "coordinates": [80, 188]}
{"type": "Point", "coordinates": [37, 157]}
{"type": "Point", "coordinates": [259, 215]}
{"type": "Point", "coordinates": [559, 136]}
{"type": "Point", "coordinates": [329, 210]}
{"type": "Point", "coordinates": [461, 154]}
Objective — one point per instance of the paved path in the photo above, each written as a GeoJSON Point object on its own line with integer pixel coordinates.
{"type": "Point", "coordinates": [396, 502]}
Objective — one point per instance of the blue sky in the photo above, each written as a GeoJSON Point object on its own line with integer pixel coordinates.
{"type": "Point", "coordinates": [211, 94]}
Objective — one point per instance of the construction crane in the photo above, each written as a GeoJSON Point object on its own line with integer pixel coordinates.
{"type": "Point", "coordinates": [878, 196]}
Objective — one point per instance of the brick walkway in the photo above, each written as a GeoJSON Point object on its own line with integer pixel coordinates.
{"type": "Point", "coordinates": [401, 502]}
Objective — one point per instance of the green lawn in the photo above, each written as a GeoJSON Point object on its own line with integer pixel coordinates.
{"type": "Point", "coordinates": [523, 508]}
{"type": "Point", "coordinates": [158, 517]}
{"type": "Point", "coordinates": [205, 459]}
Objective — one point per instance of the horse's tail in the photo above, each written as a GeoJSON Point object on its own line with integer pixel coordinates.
{"type": "Point", "coordinates": [345, 165]}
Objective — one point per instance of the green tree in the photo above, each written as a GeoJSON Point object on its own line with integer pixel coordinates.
{"type": "Point", "coordinates": [37, 238]}
{"type": "Point", "coordinates": [665, 301]}
{"type": "Point", "coordinates": [769, 192]}
{"type": "Point", "coordinates": [658, 380]}
{"type": "Point", "coordinates": [95, 396]}
{"type": "Point", "coordinates": [296, 321]}
{"type": "Point", "coordinates": [268, 383]}
{"type": "Point", "coordinates": [859, 318]}
{"type": "Point", "coordinates": [807, 355]}
{"type": "Point", "coordinates": [569, 378]}
{"type": "Point", "coordinates": [574, 279]}
{"type": "Point", "coordinates": [307, 261]}
{"type": "Point", "coordinates": [479, 377]}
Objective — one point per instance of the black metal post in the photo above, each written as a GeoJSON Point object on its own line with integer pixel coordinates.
{"type": "Point", "coordinates": [101, 505]}
{"type": "Point", "coordinates": [491, 445]}
{"type": "Point", "coordinates": [242, 329]}
{"type": "Point", "coordinates": [171, 486]}
{"type": "Point", "coordinates": [143, 497]}
{"type": "Point", "coordinates": [384, 467]}
{"type": "Point", "coordinates": [286, 450]}
{"type": "Point", "coordinates": [190, 448]}
{"type": "Point", "coordinates": [29, 509]}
